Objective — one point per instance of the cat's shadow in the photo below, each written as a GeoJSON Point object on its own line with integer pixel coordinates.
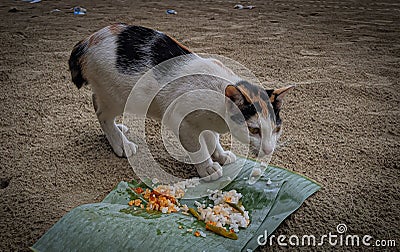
{"type": "Point", "coordinates": [160, 154]}
{"type": "Point", "coordinates": [93, 145]}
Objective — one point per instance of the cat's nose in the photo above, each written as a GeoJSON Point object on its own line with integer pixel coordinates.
{"type": "Point", "coordinates": [268, 149]}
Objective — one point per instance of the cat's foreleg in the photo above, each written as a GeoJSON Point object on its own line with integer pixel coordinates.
{"type": "Point", "coordinates": [122, 128]}
{"type": "Point", "coordinates": [114, 133]}
{"type": "Point", "coordinates": [220, 155]}
{"type": "Point", "coordinates": [118, 141]}
{"type": "Point", "coordinates": [200, 146]}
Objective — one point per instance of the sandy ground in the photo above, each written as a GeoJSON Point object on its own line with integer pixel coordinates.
{"type": "Point", "coordinates": [341, 123]}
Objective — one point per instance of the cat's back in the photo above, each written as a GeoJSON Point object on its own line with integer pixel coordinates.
{"type": "Point", "coordinates": [121, 49]}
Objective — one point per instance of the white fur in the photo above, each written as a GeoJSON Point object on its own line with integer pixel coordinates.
{"type": "Point", "coordinates": [111, 89]}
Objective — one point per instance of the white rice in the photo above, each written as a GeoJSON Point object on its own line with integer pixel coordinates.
{"type": "Point", "coordinates": [222, 213]}
{"type": "Point", "coordinates": [255, 172]}
{"type": "Point", "coordinates": [164, 210]}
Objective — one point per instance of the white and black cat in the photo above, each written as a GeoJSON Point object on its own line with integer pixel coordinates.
{"type": "Point", "coordinates": [115, 57]}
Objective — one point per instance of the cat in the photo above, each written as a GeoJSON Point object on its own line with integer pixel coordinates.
{"type": "Point", "coordinates": [113, 59]}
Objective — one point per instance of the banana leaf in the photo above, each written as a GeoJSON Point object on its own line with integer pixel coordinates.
{"type": "Point", "coordinates": [112, 225]}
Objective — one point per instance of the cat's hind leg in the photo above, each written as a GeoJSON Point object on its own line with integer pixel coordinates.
{"type": "Point", "coordinates": [121, 146]}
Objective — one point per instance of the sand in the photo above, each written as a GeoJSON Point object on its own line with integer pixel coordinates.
{"type": "Point", "coordinates": [341, 123]}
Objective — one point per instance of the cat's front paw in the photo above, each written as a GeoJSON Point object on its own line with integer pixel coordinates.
{"type": "Point", "coordinates": [121, 145]}
{"type": "Point", "coordinates": [129, 149]}
{"type": "Point", "coordinates": [224, 158]}
{"type": "Point", "coordinates": [124, 148]}
{"type": "Point", "coordinates": [209, 172]}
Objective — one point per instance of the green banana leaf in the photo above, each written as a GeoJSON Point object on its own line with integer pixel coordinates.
{"type": "Point", "coordinates": [114, 226]}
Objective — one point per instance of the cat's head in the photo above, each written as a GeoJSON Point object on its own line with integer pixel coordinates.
{"type": "Point", "coordinates": [258, 123]}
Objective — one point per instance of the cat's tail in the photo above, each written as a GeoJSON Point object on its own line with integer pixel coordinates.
{"type": "Point", "coordinates": [75, 63]}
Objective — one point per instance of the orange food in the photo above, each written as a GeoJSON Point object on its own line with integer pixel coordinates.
{"type": "Point", "coordinates": [147, 193]}
{"type": "Point", "coordinates": [158, 199]}
{"type": "Point", "coordinates": [228, 199]}
{"type": "Point", "coordinates": [139, 190]}
{"type": "Point", "coordinates": [160, 202]}
{"type": "Point", "coordinates": [137, 202]}
{"type": "Point", "coordinates": [212, 223]}
{"type": "Point", "coordinates": [197, 233]}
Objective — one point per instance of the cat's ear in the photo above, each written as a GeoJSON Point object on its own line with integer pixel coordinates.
{"type": "Point", "coordinates": [236, 95]}
{"type": "Point", "coordinates": [276, 95]}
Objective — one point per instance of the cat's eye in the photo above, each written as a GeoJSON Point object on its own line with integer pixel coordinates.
{"type": "Point", "coordinates": [254, 131]}
{"type": "Point", "coordinates": [277, 129]}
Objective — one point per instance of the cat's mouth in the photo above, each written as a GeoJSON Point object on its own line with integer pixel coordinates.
{"type": "Point", "coordinates": [259, 152]}
{"type": "Point", "coordinates": [256, 152]}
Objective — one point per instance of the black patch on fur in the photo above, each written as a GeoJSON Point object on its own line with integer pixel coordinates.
{"type": "Point", "coordinates": [275, 107]}
{"type": "Point", "coordinates": [257, 106]}
{"type": "Point", "coordinates": [138, 46]}
{"type": "Point", "coordinates": [276, 111]}
{"type": "Point", "coordinates": [277, 117]}
{"type": "Point", "coordinates": [269, 92]}
{"type": "Point", "coordinates": [75, 65]}
{"type": "Point", "coordinates": [248, 110]}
